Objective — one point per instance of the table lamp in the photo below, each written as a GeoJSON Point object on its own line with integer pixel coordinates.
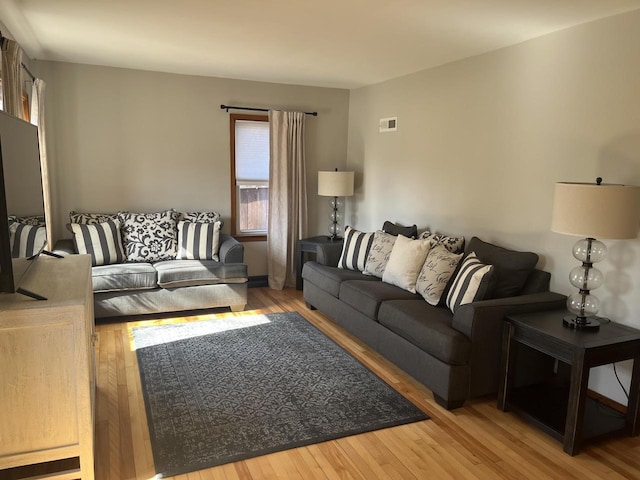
{"type": "Point", "coordinates": [335, 184]}
{"type": "Point", "coordinates": [592, 210]}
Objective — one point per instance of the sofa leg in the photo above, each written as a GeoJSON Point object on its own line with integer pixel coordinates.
{"type": "Point", "coordinates": [237, 308]}
{"type": "Point", "coordinates": [448, 404]}
{"type": "Point", "coordinates": [309, 306]}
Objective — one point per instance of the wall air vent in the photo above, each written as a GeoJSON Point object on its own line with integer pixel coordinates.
{"type": "Point", "coordinates": [389, 124]}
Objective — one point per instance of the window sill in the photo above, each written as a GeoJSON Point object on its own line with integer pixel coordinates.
{"type": "Point", "coordinates": [243, 237]}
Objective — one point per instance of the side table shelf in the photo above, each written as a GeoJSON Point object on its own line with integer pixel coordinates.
{"type": "Point", "coordinates": [558, 405]}
{"type": "Point", "coordinates": [319, 245]}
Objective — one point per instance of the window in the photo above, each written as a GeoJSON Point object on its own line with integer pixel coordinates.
{"type": "Point", "coordinates": [25, 104]}
{"type": "Point", "coordinates": [249, 176]}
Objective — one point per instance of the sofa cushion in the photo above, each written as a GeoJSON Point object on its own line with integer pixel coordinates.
{"type": "Point", "coordinates": [200, 217]}
{"type": "Point", "coordinates": [188, 273]}
{"type": "Point", "coordinates": [102, 241]}
{"type": "Point", "coordinates": [26, 240]}
{"type": "Point", "coordinates": [379, 253]}
{"type": "Point", "coordinates": [453, 244]}
{"type": "Point", "coordinates": [395, 230]}
{"type": "Point", "coordinates": [90, 218]}
{"type": "Point", "coordinates": [512, 267]}
{"type": "Point", "coordinates": [405, 262]}
{"type": "Point", "coordinates": [355, 249]}
{"type": "Point", "coordinates": [150, 237]}
{"type": "Point", "coordinates": [198, 241]}
{"type": "Point", "coordinates": [473, 281]}
{"type": "Point", "coordinates": [366, 296]}
{"type": "Point", "coordinates": [329, 279]}
{"type": "Point", "coordinates": [436, 272]}
{"type": "Point", "coordinates": [428, 328]}
{"type": "Point", "coordinates": [123, 276]}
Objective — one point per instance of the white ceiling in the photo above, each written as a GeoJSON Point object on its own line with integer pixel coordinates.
{"type": "Point", "coordinates": [331, 43]}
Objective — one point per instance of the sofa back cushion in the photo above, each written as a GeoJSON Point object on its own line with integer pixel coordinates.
{"type": "Point", "coordinates": [512, 268]}
{"type": "Point", "coordinates": [150, 237]}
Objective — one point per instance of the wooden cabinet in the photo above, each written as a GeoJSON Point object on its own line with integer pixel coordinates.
{"type": "Point", "coordinates": [47, 368]}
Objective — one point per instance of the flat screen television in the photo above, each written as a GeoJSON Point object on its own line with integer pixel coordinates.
{"type": "Point", "coordinates": [22, 220]}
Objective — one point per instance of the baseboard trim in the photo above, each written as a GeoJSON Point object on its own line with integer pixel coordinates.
{"type": "Point", "coordinates": [618, 407]}
{"type": "Point", "coordinates": [258, 281]}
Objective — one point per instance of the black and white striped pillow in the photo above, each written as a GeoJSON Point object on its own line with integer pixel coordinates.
{"type": "Point", "coordinates": [101, 240]}
{"type": "Point", "coordinates": [471, 284]}
{"type": "Point", "coordinates": [198, 241]}
{"type": "Point", "coordinates": [355, 249]}
{"type": "Point", "coordinates": [26, 240]}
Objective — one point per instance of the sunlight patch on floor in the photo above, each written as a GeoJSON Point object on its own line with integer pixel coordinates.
{"type": "Point", "coordinates": [160, 334]}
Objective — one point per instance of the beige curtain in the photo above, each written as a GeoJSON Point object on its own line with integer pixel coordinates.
{"type": "Point", "coordinates": [37, 118]}
{"type": "Point", "coordinates": [11, 78]}
{"type": "Point", "coordinates": [287, 196]}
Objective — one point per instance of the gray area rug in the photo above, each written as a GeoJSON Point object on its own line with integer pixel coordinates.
{"type": "Point", "coordinates": [218, 391]}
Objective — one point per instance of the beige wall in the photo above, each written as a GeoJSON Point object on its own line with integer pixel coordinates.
{"type": "Point", "coordinates": [481, 142]}
{"type": "Point", "coordinates": [133, 140]}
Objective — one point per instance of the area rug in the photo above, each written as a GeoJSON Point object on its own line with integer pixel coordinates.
{"type": "Point", "coordinates": [219, 391]}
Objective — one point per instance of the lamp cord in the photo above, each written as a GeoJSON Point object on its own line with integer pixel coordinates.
{"type": "Point", "coordinates": [626, 394]}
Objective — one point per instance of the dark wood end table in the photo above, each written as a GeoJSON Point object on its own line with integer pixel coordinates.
{"type": "Point", "coordinates": [312, 245]}
{"type": "Point", "coordinates": [564, 410]}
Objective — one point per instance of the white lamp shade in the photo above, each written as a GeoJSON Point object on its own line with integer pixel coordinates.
{"type": "Point", "coordinates": [597, 211]}
{"type": "Point", "coordinates": [335, 184]}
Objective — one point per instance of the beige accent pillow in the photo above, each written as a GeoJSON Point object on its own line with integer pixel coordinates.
{"type": "Point", "coordinates": [405, 262]}
{"type": "Point", "coordinates": [436, 273]}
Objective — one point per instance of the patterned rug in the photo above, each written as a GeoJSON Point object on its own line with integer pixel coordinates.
{"type": "Point", "coordinates": [218, 391]}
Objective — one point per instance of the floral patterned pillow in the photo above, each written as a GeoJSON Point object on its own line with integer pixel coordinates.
{"type": "Point", "coordinates": [34, 220]}
{"type": "Point", "coordinates": [379, 253]}
{"type": "Point", "coordinates": [436, 273]}
{"type": "Point", "coordinates": [150, 237]}
{"type": "Point", "coordinates": [199, 217]}
{"type": "Point", "coordinates": [91, 218]}
{"type": "Point", "coordinates": [453, 244]}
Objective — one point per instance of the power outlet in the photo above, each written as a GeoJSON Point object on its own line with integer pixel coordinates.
{"type": "Point", "coordinates": [388, 124]}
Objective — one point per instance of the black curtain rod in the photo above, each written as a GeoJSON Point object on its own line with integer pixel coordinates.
{"type": "Point", "coordinates": [33, 78]}
{"type": "Point", "coordinates": [227, 107]}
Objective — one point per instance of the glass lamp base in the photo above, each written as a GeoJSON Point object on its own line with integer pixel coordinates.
{"type": "Point", "coordinates": [591, 324]}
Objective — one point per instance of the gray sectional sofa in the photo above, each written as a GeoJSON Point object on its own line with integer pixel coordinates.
{"type": "Point", "coordinates": [128, 284]}
{"type": "Point", "coordinates": [456, 355]}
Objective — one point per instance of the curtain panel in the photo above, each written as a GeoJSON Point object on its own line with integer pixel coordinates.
{"type": "Point", "coordinates": [287, 196]}
{"type": "Point", "coordinates": [37, 119]}
{"type": "Point", "coordinates": [12, 78]}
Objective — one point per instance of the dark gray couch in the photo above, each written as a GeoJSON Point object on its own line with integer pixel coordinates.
{"type": "Point", "coordinates": [170, 285]}
{"type": "Point", "coordinates": [456, 356]}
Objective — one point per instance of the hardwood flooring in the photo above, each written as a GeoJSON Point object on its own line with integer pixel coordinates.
{"type": "Point", "coordinates": [474, 442]}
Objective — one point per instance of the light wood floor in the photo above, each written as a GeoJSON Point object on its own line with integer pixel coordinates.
{"type": "Point", "coordinates": [474, 442]}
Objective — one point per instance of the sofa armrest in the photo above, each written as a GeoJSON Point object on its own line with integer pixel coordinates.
{"type": "Point", "coordinates": [231, 250]}
{"type": "Point", "coordinates": [65, 247]}
{"type": "Point", "coordinates": [472, 318]}
{"type": "Point", "coordinates": [483, 322]}
{"type": "Point", "coordinates": [328, 254]}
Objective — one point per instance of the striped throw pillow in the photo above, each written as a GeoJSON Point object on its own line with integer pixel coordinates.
{"type": "Point", "coordinates": [26, 240]}
{"type": "Point", "coordinates": [198, 241]}
{"type": "Point", "coordinates": [355, 249]}
{"type": "Point", "coordinates": [101, 240]}
{"type": "Point", "coordinates": [471, 284]}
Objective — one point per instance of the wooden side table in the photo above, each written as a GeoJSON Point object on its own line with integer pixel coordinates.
{"type": "Point", "coordinates": [313, 245]}
{"type": "Point", "coordinates": [564, 410]}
